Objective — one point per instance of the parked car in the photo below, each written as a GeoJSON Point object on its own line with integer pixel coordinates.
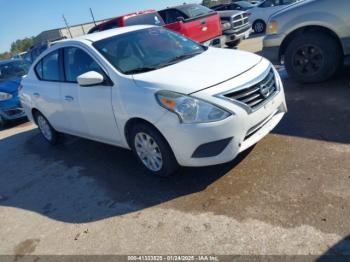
{"type": "Point", "coordinates": [196, 22]}
{"type": "Point", "coordinates": [239, 5]}
{"type": "Point", "coordinates": [148, 17]}
{"type": "Point", "coordinates": [312, 38]}
{"type": "Point", "coordinates": [261, 13]}
{"type": "Point", "coordinates": [238, 27]}
{"type": "Point", "coordinates": [179, 104]}
{"type": "Point", "coordinates": [11, 73]}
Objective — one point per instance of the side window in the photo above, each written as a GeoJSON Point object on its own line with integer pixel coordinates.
{"type": "Point", "coordinates": [270, 3]}
{"type": "Point", "coordinates": [172, 15]}
{"type": "Point", "coordinates": [77, 62]}
{"type": "Point", "coordinates": [39, 70]}
{"type": "Point", "coordinates": [235, 7]}
{"type": "Point", "coordinates": [48, 68]}
{"type": "Point", "coordinates": [110, 26]}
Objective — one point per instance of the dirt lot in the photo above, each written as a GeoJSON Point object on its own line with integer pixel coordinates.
{"type": "Point", "coordinates": [288, 195]}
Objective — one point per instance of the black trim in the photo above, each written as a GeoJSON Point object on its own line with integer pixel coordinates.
{"type": "Point", "coordinates": [211, 149]}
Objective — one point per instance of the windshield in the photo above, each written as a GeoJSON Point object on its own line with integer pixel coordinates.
{"type": "Point", "coordinates": [195, 10]}
{"type": "Point", "coordinates": [147, 49]}
{"type": "Point", "coordinates": [245, 5]}
{"type": "Point", "coordinates": [145, 19]}
{"type": "Point", "coordinates": [13, 69]}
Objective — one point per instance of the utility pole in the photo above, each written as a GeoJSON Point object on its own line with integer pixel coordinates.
{"type": "Point", "coordinates": [93, 18]}
{"type": "Point", "coordinates": [67, 26]}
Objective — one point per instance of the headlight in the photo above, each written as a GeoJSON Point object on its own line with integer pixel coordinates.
{"type": "Point", "coordinates": [272, 27]}
{"type": "Point", "coordinates": [189, 109]}
{"type": "Point", "coordinates": [5, 96]}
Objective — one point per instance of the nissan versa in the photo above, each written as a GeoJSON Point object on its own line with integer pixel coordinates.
{"type": "Point", "coordinates": [170, 100]}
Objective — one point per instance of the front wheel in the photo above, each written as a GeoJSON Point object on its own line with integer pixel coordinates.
{"type": "Point", "coordinates": [48, 132]}
{"type": "Point", "coordinates": [312, 57]}
{"type": "Point", "coordinates": [259, 27]}
{"type": "Point", "coordinates": [152, 151]}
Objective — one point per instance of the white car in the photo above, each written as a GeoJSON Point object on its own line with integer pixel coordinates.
{"type": "Point", "coordinates": [260, 14]}
{"type": "Point", "coordinates": [170, 100]}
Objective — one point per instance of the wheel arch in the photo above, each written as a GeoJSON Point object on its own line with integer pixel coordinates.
{"type": "Point", "coordinates": [34, 112]}
{"type": "Point", "coordinates": [134, 121]}
{"type": "Point", "coordinates": [304, 29]}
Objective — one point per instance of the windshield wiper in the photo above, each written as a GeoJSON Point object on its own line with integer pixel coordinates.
{"type": "Point", "coordinates": [179, 58]}
{"type": "Point", "coordinates": [140, 70]}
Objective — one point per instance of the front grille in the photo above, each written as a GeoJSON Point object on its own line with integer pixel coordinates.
{"type": "Point", "coordinates": [240, 20]}
{"type": "Point", "coordinates": [254, 96]}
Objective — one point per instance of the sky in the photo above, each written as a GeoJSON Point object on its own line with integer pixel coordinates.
{"type": "Point", "coordinates": [25, 18]}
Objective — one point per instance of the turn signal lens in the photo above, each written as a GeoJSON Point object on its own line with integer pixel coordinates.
{"type": "Point", "coordinates": [272, 28]}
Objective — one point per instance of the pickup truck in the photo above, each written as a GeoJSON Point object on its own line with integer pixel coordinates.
{"type": "Point", "coordinates": [148, 17]}
{"type": "Point", "coordinates": [238, 27]}
{"type": "Point", "coordinates": [196, 22]}
{"type": "Point", "coordinates": [311, 37]}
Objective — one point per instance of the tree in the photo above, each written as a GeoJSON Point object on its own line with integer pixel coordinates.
{"type": "Point", "coordinates": [6, 55]}
{"type": "Point", "coordinates": [21, 45]}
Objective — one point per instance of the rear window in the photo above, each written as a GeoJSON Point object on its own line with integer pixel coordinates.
{"type": "Point", "coordinates": [195, 10]}
{"type": "Point", "coordinates": [146, 19]}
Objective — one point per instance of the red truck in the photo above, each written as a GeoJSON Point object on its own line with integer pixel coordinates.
{"type": "Point", "coordinates": [192, 20]}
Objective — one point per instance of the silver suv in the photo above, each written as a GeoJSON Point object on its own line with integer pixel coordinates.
{"type": "Point", "coordinates": [311, 37]}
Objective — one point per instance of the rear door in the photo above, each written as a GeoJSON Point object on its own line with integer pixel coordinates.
{"type": "Point", "coordinates": [46, 91]}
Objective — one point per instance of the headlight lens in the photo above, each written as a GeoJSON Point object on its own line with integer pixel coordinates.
{"type": "Point", "coordinates": [190, 110]}
{"type": "Point", "coordinates": [5, 96]}
{"type": "Point", "coordinates": [273, 27]}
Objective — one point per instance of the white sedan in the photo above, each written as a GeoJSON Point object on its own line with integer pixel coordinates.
{"type": "Point", "coordinates": [170, 100]}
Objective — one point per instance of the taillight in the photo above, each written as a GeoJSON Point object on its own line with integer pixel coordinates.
{"type": "Point", "coordinates": [249, 14]}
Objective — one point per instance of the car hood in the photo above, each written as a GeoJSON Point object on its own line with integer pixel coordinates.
{"type": "Point", "coordinates": [210, 68]}
{"type": "Point", "coordinates": [10, 86]}
{"type": "Point", "coordinates": [230, 13]}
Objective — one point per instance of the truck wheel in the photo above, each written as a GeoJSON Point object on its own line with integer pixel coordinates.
{"type": "Point", "coordinates": [312, 57]}
{"type": "Point", "coordinates": [48, 132]}
{"type": "Point", "coordinates": [259, 27]}
{"type": "Point", "coordinates": [152, 151]}
{"type": "Point", "coordinates": [234, 43]}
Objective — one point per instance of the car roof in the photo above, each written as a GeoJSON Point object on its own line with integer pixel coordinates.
{"type": "Point", "coordinates": [109, 33]}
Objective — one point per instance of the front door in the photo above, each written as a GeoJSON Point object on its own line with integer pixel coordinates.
{"type": "Point", "coordinates": [88, 109]}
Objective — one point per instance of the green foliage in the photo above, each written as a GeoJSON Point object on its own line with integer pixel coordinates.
{"type": "Point", "coordinates": [21, 45]}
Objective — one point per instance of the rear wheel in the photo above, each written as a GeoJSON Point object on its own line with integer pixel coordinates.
{"type": "Point", "coordinates": [48, 132]}
{"type": "Point", "coordinates": [312, 57]}
{"type": "Point", "coordinates": [259, 27]}
{"type": "Point", "coordinates": [152, 151]}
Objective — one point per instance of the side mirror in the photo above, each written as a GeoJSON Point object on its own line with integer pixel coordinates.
{"type": "Point", "coordinates": [91, 78]}
{"type": "Point", "coordinates": [180, 19]}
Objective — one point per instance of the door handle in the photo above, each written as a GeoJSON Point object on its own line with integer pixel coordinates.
{"type": "Point", "coordinates": [68, 98]}
{"type": "Point", "coordinates": [36, 95]}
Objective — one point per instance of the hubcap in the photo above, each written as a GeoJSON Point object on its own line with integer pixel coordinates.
{"type": "Point", "coordinates": [44, 128]}
{"type": "Point", "coordinates": [148, 151]}
{"type": "Point", "coordinates": [259, 27]}
{"type": "Point", "coordinates": [308, 60]}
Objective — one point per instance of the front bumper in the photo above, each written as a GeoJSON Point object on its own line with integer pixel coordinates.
{"type": "Point", "coordinates": [11, 109]}
{"type": "Point", "coordinates": [271, 48]}
{"type": "Point", "coordinates": [240, 131]}
{"type": "Point", "coordinates": [238, 34]}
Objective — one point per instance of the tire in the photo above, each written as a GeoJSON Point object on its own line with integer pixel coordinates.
{"type": "Point", "coordinates": [2, 122]}
{"type": "Point", "coordinates": [47, 131]}
{"type": "Point", "coordinates": [312, 57]}
{"type": "Point", "coordinates": [233, 44]}
{"type": "Point", "coordinates": [259, 26]}
{"type": "Point", "coordinates": [152, 151]}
